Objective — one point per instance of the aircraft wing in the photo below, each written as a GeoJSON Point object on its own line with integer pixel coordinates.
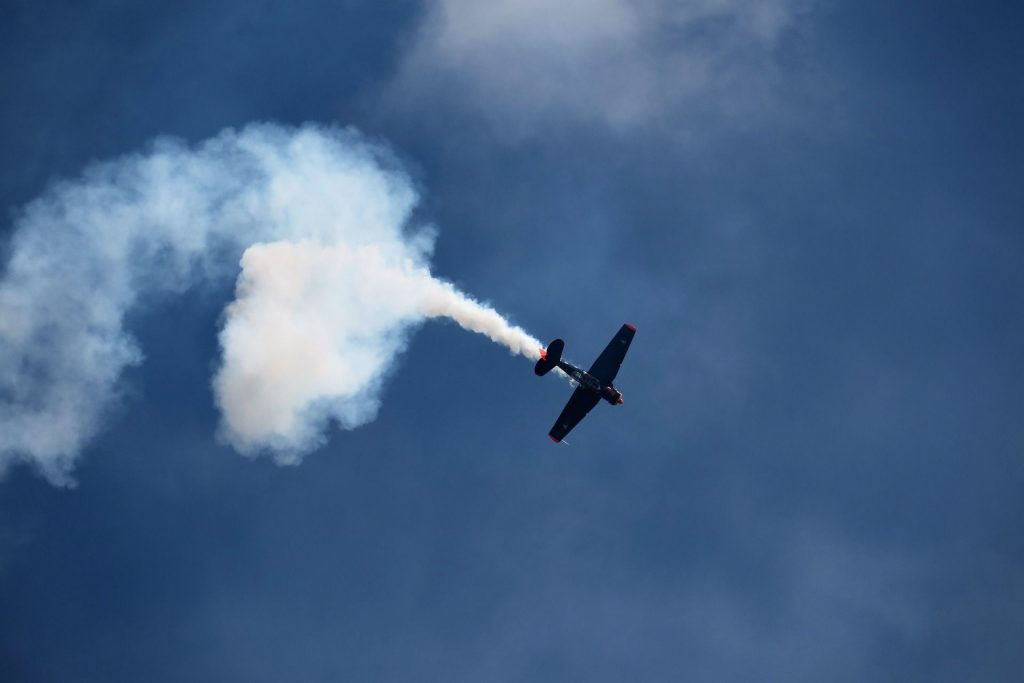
{"type": "Point", "coordinates": [607, 364]}
{"type": "Point", "coordinates": [580, 403]}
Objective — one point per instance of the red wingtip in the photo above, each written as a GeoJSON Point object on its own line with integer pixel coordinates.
{"type": "Point", "coordinates": [543, 354]}
{"type": "Point", "coordinates": [553, 439]}
{"type": "Point", "coordinates": [630, 327]}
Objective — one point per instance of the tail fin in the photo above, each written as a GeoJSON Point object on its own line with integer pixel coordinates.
{"type": "Point", "coordinates": [549, 357]}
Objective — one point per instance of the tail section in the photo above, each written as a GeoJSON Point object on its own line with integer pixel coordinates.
{"type": "Point", "coordinates": [549, 357]}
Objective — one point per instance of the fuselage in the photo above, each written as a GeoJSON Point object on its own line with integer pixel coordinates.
{"type": "Point", "coordinates": [587, 381]}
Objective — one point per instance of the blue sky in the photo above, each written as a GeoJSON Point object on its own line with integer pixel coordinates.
{"type": "Point", "coordinates": [809, 209]}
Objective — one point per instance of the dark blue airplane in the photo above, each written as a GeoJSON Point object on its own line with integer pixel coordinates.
{"type": "Point", "coordinates": [592, 385]}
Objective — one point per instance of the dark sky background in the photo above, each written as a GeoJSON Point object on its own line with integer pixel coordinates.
{"type": "Point", "coordinates": [817, 473]}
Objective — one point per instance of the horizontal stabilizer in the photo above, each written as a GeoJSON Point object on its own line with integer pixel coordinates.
{"type": "Point", "coordinates": [549, 357]}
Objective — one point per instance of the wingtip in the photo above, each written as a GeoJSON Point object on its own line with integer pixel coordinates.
{"type": "Point", "coordinates": [633, 329]}
{"type": "Point", "coordinates": [554, 439]}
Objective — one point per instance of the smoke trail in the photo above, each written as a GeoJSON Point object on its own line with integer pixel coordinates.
{"type": "Point", "coordinates": [312, 331]}
{"type": "Point", "coordinates": [333, 279]}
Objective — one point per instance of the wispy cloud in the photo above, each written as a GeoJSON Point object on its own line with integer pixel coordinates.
{"type": "Point", "coordinates": [616, 63]}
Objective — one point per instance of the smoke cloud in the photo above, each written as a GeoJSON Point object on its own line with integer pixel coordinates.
{"type": "Point", "coordinates": [314, 328]}
{"type": "Point", "coordinates": [333, 279]}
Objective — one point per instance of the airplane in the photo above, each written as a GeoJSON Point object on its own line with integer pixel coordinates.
{"type": "Point", "coordinates": [592, 385]}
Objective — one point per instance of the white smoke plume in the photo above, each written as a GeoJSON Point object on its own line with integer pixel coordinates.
{"type": "Point", "coordinates": [333, 278]}
{"type": "Point", "coordinates": [313, 329]}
